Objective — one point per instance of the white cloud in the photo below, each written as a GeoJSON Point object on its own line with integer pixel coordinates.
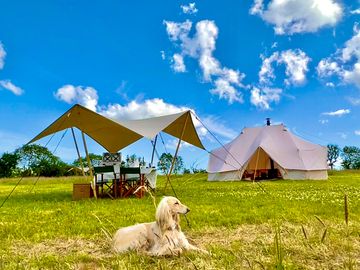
{"type": "Point", "coordinates": [215, 125]}
{"type": "Point", "coordinates": [357, 132]}
{"type": "Point", "coordinates": [296, 66]}
{"type": "Point", "coordinates": [172, 144]}
{"type": "Point", "coordinates": [162, 54]}
{"type": "Point", "coordinates": [141, 109]}
{"type": "Point", "coordinates": [343, 135]}
{"type": "Point", "coordinates": [86, 96]}
{"type": "Point", "coordinates": [323, 121]}
{"type": "Point", "coordinates": [2, 56]}
{"type": "Point", "coordinates": [189, 9]}
{"type": "Point", "coordinates": [330, 84]}
{"type": "Point", "coordinates": [257, 8]}
{"type": "Point", "coordinates": [355, 11]}
{"type": "Point", "coordinates": [158, 107]}
{"type": "Point", "coordinates": [178, 63]}
{"type": "Point", "coordinates": [344, 64]}
{"type": "Point", "coordinates": [226, 91]}
{"type": "Point", "coordinates": [291, 16]}
{"type": "Point", "coordinates": [339, 113]}
{"type": "Point", "coordinates": [8, 85]}
{"type": "Point", "coordinates": [327, 67]}
{"type": "Point", "coordinates": [178, 31]}
{"type": "Point", "coordinates": [354, 101]}
{"type": "Point", "coordinates": [201, 47]}
{"type": "Point", "coordinates": [262, 98]}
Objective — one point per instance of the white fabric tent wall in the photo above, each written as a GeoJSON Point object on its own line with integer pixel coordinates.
{"type": "Point", "coordinates": [253, 148]}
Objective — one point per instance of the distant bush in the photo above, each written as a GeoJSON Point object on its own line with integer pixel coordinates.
{"type": "Point", "coordinates": [8, 164]}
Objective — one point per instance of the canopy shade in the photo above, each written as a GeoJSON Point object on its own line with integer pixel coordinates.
{"type": "Point", "coordinates": [114, 136]}
{"type": "Point", "coordinates": [109, 134]}
{"type": "Point", "coordinates": [173, 124]}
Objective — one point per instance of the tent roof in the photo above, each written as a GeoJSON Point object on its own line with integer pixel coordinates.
{"type": "Point", "coordinates": [288, 150]}
{"type": "Point", "coordinates": [109, 134]}
{"type": "Point", "coordinates": [114, 136]}
{"type": "Point", "coordinates": [172, 124]}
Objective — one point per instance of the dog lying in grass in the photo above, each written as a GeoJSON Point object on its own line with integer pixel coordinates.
{"type": "Point", "coordinates": [158, 238]}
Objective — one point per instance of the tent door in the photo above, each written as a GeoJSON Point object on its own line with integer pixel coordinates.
{"type": "Point", "coordinates": [261, 166]}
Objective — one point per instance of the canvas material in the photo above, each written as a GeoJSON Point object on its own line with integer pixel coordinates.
{"type": "Point", "coordinates": [287, 150]}
{"type": "Point", "coordinates": [114, 136]}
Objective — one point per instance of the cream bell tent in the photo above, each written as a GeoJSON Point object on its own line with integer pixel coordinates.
{"type": "Point", "coordinates": [268, 152]}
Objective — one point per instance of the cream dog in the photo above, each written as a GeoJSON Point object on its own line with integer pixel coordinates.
{"type": "Point", "coordinates": [161, 237]}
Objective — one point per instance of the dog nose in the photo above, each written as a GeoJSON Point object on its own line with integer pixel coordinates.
{"type": "Point", "coordinates": [187, 210]}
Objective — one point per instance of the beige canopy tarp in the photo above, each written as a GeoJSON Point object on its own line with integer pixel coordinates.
{"type": "Point", "coordinates": [106, 132]}
{"type": "Point", "coordinates": [173, 124]}
{"type": "Point", "coordinates": [115, 135]}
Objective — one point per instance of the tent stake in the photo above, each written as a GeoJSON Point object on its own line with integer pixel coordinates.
{"type": "Point", "coordinates": [78, 152]}
{"type": "Point", "coordinates": [87, 154]}
{"type": "Point", "coordinates": [176, 153]}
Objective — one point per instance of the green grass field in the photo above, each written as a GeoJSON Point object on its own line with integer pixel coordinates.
{"type": "Point", "coordinates": [279, 224]}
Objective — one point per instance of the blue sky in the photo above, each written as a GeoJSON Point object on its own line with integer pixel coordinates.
{"type": "Point", "coordinates": [233, 62]}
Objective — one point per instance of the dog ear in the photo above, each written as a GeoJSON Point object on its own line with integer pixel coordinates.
{"type": "Point", "coordinates": [163, 215]}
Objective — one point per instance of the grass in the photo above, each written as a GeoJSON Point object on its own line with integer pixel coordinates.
{"type": "Point", "coordinates": [279, 224]}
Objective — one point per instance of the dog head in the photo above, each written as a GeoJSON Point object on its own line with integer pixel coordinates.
{"type": "Point", "coordinates": [167, 213]}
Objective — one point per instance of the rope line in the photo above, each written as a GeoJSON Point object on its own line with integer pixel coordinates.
{"type": "Point", "coordinates": [22, 177]}
{"type": "Point", "coordinates": [222, 145]}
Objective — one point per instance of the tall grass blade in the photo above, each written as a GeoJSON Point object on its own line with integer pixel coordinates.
{"type": "Point", "coordinates": [304, 232]}
{"type": "Point", "coordinates": [319, 219]}
{"type": "Point", "coordinates": [324, 236]}
{"type": "Point", "coordinates": [278, 250]}
{"type": "Point", "coordinates": [346, 206]}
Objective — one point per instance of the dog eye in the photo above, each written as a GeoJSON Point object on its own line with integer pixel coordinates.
{"type": "Point", "coordinates": [176, 203]}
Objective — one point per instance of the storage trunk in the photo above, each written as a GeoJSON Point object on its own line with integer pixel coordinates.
{"type": "Point", "coordinates": [82, 191]}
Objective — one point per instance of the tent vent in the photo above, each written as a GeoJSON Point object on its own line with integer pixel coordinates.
{"type": "Point", "coordinates": [268, 121]}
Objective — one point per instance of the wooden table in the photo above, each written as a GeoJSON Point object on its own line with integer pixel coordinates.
{"type": "Point", "coordinates": [109, 182]}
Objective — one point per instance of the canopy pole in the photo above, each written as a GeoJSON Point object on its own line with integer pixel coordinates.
{"type": "Point", "coordinates": [87, 154]}
{"type": "Point", "coordinates": [153, 150]}
{"type": "Point", "coordinates": [256, 165]}
{"type": "Point", "coordinates": [78, 152]}
{"type": "Point", "coordinates": [176, 153]}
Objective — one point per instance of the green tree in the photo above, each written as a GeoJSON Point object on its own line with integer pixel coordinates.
{"type": "Point", "coordinates": [165, 161]}
{"type": "Point", "coordinates": [8, 164]}
{"type": "Point", "coordinates": [92, 156]}
{"type": "Point", "coordinates": [351, 157]}
{"type": "Point", "coordinates": [132, 158]}
{"type": "Point", "coordinates": [333, 154]}
{"type": "Point", "coordinates": [38, 160]}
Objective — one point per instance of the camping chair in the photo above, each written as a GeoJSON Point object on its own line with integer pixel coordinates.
{"type": "Point", "coordinates": [102, 181]}
{"type": "Point", "coordinates": [131, 182]}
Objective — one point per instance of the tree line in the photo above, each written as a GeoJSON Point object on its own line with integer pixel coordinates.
{"type": "Point", "coordinates": [36, 160]}
{"type": "Point", "coordinates": [349, 156]}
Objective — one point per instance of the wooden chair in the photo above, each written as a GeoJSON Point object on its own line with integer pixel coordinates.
{"type": "Point", "coordinates": [105, 187]}
{"type": "Point", "coordinates": [131, 185]}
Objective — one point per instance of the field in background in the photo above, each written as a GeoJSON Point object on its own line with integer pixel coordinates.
{"type": "Point", "coordinates": [292, 224]}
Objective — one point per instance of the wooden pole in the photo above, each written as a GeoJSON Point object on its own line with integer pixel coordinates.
{"type": "Point", "coordinates": [87, 154]}
{"type": "Point", "coordinates": [257, 160]}
{"type": "Point", "coordinates": [176, 153]}
{"type": "Point", "coordinates": [78, 152]}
